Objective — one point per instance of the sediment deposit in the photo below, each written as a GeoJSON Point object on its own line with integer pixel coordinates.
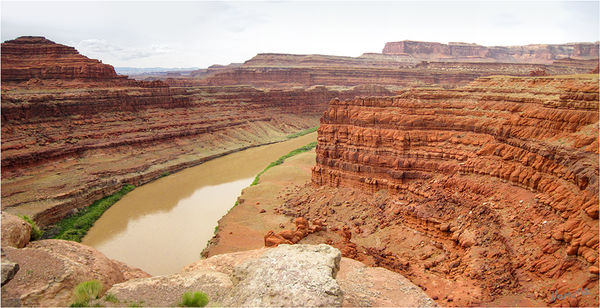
{"type": "Point", "coordinates": [499, 179]}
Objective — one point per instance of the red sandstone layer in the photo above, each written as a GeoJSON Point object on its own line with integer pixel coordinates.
{"type": "Point", "coordinates": [535, 53]}
{"type": "Point", "coordinates": [283, 70]}
{"type": "Point", "coordinates": [498, 181]}
{"type": "Point", "coordinates": [31, 57]}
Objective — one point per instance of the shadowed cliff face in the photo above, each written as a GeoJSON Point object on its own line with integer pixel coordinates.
{"type": "Point", "coordinates": [498, 178]}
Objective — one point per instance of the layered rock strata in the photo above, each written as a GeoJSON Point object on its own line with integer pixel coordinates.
{"type": "Point", "coordinates": [402, 64]}
{"type": "Point", "coordinates": [71, 137]}
{"type": "Point", "coordinates": [534, 53]}
{"type": "Point", "coordinates": [502, 174]}
{"type": "Point", "coordinates": [307, 70]}
{"type": "Point", "coordinates": [30, 57]}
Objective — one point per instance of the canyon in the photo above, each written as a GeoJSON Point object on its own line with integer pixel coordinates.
{"type": "Point", "coordinates": [470, 170]}
{"type": "Point", "coordinates": [75, 131]}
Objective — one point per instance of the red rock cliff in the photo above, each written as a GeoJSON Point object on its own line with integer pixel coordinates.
{"type": "Point", "coordinates": [505, 168]}
{"type": "Point", "coordinates": [537, 53]}
{"type": "Point", "coordinates": [31, 57]}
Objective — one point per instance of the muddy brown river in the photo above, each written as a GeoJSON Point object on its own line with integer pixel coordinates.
{"type": "Point", "coordinates": [164, 225]}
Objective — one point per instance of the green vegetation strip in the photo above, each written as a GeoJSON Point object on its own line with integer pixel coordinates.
{"type": "Point", "coordinates": [281, 159]}
{"type": "Point", "coordinates": [75, 227]}
{"type": "Point", "coordinates": [302, 133]}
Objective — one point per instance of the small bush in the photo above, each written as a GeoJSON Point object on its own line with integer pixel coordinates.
{"type": "Point", "coordinates": [281, 159]}
{"type": "Point", "coordinates": [302, 133]}
{"type": "Point", "coordinates": [194, 299]}
{"type": "Point", "coordinates": [137, 304]}
{"type": "Point", "coordinates": [109, 297]}
{"type": "Point", "coordinates": [86, 291]}
{"type": "Point", "coordinates": [36, 233]}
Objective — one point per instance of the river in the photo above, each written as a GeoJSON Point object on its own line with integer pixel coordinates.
{"type": "Point", "coordinates": [164, 225]}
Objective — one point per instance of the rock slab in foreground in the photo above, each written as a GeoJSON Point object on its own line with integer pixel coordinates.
{"type": "Point", "coordinates": [289, 275]}
{"type": "Point", "coordinates": [50, 270]}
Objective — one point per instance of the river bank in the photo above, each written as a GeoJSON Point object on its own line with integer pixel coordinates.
{"type": "Point", "coordinates": [164, 225]}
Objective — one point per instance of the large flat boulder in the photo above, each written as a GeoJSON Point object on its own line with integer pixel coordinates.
{"type": "Point", "coordinates": [289, 275]}
{"type": "Point", "coordinates": [50, 270]}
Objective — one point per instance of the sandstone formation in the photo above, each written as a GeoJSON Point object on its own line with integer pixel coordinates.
{"type": "Point", "coordinates": [15, 231]}
{"type": "Point", "coordinates": [35, 57]}
{"type": "Point", "coordinates": [401, 64]}
{"type": "Point", "coordinates": [49, 270]}
{"type": "Point", "coordinates": [71, 137]}
{"type": "Point", "coordinates": [497, 181]}
{"type": "Point", "coordinates": [297, 275]}
{"type": "Point", "coordinates": [535, 53]}
{"type": "Point", "coordinates": [275, 70]}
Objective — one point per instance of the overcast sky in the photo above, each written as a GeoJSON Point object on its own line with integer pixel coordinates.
{"type": "Point", "coordinates": [201, 33]}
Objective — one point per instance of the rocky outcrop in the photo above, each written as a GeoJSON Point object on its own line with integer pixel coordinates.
{"type": "Point", "coordinates": [49, 270]}
{"type": "Point", "coordinates": [9, 270]}
{"type": "Point", "coordinates": [35, 57]}
{"type": "Point", "coordinates": [500, 176]}
{"type": "Point", "coordinates": [15, 231]}
{"type": "Point", "coordinates": [300, 275]}
{"type": "Point", "coordinates": [366, 286]}
{"type": "Point", "coordinates": [289, 275]}
{"type": "Point", "coordinates": [535, 53]}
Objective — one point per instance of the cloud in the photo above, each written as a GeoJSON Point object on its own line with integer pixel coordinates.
{"type": "Point", "coordinates": [104, 49]}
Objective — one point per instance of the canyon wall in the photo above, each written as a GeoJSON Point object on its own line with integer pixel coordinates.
{"type": "Point", "coordinates": [396, 70]}
{"type": "Point", "coordinates": [73, 131]}
{"type": "Point", "coordinates": [535, 53]}
{"type": "Point", "coordinates": [498, 178]}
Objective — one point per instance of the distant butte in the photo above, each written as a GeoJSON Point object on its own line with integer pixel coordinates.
{"type": "Point", "coordinates": [535, 53]}
{"type": "Point", "coordinates": [30, 57]}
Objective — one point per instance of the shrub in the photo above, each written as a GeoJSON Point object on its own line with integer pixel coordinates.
{"type": "Point", "coordinates": [194, 299]}
{"type": "Point", "coordinates": [36, 233]}
{"type": "Point", "coordinates": [85, 291]}
{"type": "Point", "coordinates": [75, 227]}
{"type": "Point", "coordinates": [281, 159]}
{"type": "Point", "coordinates": [109, 297]}
{"type": "Point", "coordinates": [302, 133]}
